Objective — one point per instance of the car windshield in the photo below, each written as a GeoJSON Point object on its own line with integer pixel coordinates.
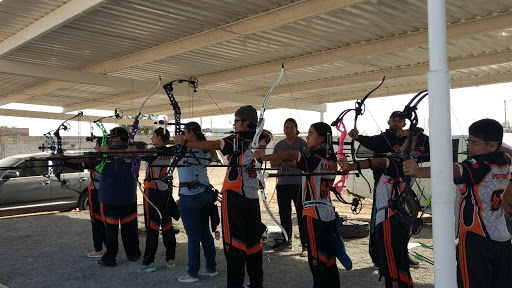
{"type": "Point", "coordinates": [9, 162]}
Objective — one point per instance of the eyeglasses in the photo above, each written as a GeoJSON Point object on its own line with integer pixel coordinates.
{"type": "Point", "coordinates": [473, 143]}
{"type": "Point", "coordinates": [237, 120]}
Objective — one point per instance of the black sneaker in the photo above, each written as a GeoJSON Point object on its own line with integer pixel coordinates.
{"type": "Point", "coordinates": [103, 264]}
{"type": "Point", "coordinates": [304, 252]}
{"type": "Point", "coordinates": [413, 263]}
{"type": "Point", "coordinates": [134, 258]}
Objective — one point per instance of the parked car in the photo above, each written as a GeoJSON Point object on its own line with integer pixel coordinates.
{"type": "Point", "coordinates": [421, 186]}
{"type": "Point", "coordinates": [25, 189]}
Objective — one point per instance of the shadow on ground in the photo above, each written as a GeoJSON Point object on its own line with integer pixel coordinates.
{"type": "Point", "coordinates": [49, 251]}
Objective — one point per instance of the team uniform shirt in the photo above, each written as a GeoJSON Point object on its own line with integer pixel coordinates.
{"type": "Point", "coordinates": [159, 172]}
{"type": "Point", "coordinates": [117, 182]}
{"type": "Point", "coordinates": [392, 172]}
{"type": "Point", "coordinates": [298, 145]}
{"type": "Point", "coordinates": [316, 187]}
{"type": "Point", "coordinates": [95, 182]}
{"type": "Point", "coordinates": [237, 178]}
{"type": "Point", "coordinates": [197, 173]}
{"type": "Point", "coordinates": [484, 178]}
{"type": "Point", "coordinates": [382, 143]}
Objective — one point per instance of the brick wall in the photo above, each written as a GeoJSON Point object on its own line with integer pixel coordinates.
{"type": "Point", "coordinates": [15, 141]}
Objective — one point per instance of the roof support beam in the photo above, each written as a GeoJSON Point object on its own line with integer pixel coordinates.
{"type": "Point", "coordinates": [464, 29]}
{"type": "Point", "coordinates": [419, 38]}
{"type": "Point", "coordinates": [53, 20]}
{"type": "Point", "coordinates": [47, 72]}
{"type": "Point", "coordinates": [72, 76]}
{"type": "Point", "coordinates": [62, 116]}
{"type": "Point", "coordinates": [417, 70]}
{"type": "Point", "coordinates": [268, 20]}
{"type": "Point", "coordinates": [260, 22]}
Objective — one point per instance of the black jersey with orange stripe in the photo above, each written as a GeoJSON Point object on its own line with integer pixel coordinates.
{"type": "Point", "coordinates": [237, 178]}
{"type": "Point", "coordinates": [478, 204]}
{"type": "Point", "coordinates": [160, 171]}
{"type": "Point", "coordinates": [390, 181]}
{"type": "Point", "coordinates": [317, 187]}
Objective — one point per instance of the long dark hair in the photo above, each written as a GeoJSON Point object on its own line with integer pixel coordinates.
{"type": "Point", "coordinates": [322, 129]}
{"type": "Point", "coordinates": [162, 133]}
{"type": "Point", "coordinates": [291, 120]}
{"type": "Point", "coordinates": [195, 128]}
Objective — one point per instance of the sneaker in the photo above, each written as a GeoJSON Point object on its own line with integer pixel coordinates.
{"type": "Point", "coordinates": [304, 252]}
{"type": "Point", "coordinates": [134, 258]}
{"type": "Point", "coordinates": [187, 279]}
{"type": "Point", "coordinates": [248, 285]}
{"type": "Point", "coordinates": [95, 254]}
{"type": "Point", "coordinates": [413, 263]}
{"type": "Point", "coordinates": [103, 264]}
{"type": "Point", "coordinates": [170, 264]}
{"type": "Point", "coordinates": [215, 273]}
{"type": "Point", "coordinates": [147, 268]}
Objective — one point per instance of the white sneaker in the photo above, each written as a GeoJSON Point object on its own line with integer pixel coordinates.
{"type": "Point", "coordinates": [187, 279]}
{"type": "Point", "coordinates": [95, 254]}
{"type": "Point", "coordinates": [210, 273]}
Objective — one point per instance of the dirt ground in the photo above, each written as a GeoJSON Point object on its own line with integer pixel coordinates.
{"type": "Point", "coordinates": [48, 250]}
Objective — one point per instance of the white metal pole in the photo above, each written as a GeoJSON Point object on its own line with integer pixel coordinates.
{"type": "Point", "coordinates": [441, 151]}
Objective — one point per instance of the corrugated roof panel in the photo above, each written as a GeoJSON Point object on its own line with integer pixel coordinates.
{"type": "Point", "coordinates": [119, 28]}
{"type": "Point", "coordinates": [16, 15]}
{"type": "Point", "coordinates": [10, 84]}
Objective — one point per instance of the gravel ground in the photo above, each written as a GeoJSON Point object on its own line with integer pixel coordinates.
{"type": "Point", "coordinates": [48, 250]}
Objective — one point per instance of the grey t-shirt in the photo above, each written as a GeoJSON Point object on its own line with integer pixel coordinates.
{"type": "Point", "coordinates": [298, 146]}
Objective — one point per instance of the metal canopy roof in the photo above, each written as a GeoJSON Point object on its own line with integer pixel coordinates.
{"type": "Point", "coordinates": [104, 54]}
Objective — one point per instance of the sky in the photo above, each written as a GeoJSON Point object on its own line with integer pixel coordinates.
{"type": "Point", "coordinates": [468, 105]}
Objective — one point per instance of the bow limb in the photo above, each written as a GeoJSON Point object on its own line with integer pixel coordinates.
{"type": "Point", "coordinates": [133, 131]}
{"type": "Point", "coordinates": [255, 145]}
{"type": "Point", "coordinates": [169, 90]}
{"type": "Point", "coordinates": [410, 113]}
{"type": "Point", "coordinates": [341, 141]}
{"type": "Point", "coordinates": [118, 113]}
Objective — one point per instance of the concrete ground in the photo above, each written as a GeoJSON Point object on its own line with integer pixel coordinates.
{"type": "Point", "coordinates": [48, 250]}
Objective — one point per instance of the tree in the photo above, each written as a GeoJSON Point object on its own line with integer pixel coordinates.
{"type": "Point", "coordinates": [506, 127]}
{"type": "Point", "coordinates": [143, 130]}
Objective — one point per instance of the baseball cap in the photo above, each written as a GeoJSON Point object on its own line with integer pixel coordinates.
{"type": "Point", "coordinates": [396, 114]}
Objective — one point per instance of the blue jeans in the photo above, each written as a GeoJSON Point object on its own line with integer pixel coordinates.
{"type": "Point", "coordinates": [194, 211]}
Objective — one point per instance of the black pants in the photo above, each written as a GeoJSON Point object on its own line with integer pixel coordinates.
{"type": "Point", "coordinates": [242, 230]}
{"type": "Point", "coordinates": [159, 199]}
{"type": "Point", "coordinates": [482, 262]}
{"type": "Point", "coordinates": [126, 215]}
{"type": "Point", "coordinates": [322, 252]}
{"type": "Point", "coordinates": [392, 237]}
{"type": "Point", "coordinates": [98, 227]}
{"type": "Point", "coordinates": [285, 194]}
